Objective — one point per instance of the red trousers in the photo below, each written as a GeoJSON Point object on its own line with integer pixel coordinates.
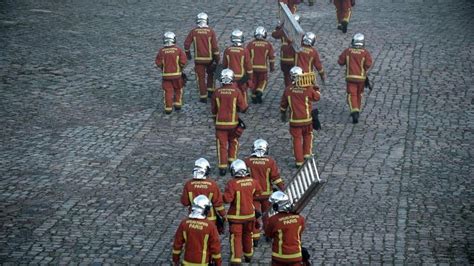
{"type": "Point", "coordinates": [240, 241]}
{"type": "Point", "coordinates": [261, 205]}
{"type": "Point", "coordinates": [302, 142]}
{"type": "Point", "coordinates": [203, 86]}
{"type": "Point", "coordinates": [343, 10]}
{"type": "Point", "coordinates": [173, 89]}
{"type": "Point", "coordinates": [286, 73]}
{"type": "Point", "coordinates": [354, 95]}
{"type": "Point", "coordinates": [227, 146]}
{"type": "Point", "coordinates": [259, 81]}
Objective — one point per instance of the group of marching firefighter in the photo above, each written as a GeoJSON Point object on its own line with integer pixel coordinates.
{"type": "Point", "coordinates": [250, 193]}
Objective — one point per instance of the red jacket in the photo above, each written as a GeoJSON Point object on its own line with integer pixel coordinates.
{"type": "Point", "coordinates": [207, 187]}
{"type": "Point", "coordinates": [287, 53]}
{"type": "Point", "coordinates": [299, 100]}
{"type": "Point", "coordinates": [357, 61]}
{"type": "Point", "coordinates": [285, 229]}
{"type": "Point", "coordinates": [261, 53]}
{"type": "Point", "coordinates": [308, 59]}
{"type": "Point", "coordinates": [171, 60]}
{"type": "Point", "coordinates": [238, 59]}
{"type": "Point", "coordinates": [240, 193]}
{"type": "Point", "coordinates": [200, 240]}
{"type": "Point", "coordinates": [265, 171]}
{"type": "Point", "coordinates": [205, 45]}
{"type": "Point", "coordinates": [226, 102]}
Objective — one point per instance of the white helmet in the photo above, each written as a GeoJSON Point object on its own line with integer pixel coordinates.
{"type": "Point", "coordinates": [358, 40]}
{"type": "Point", "coordinates": [260, 148]}
{"type": "Point", "coordinates": [280, 202]}
{"type": "Point", "coordinates": [201, 169]}
{"type": "Point", "coordinates": [297, 17]}
{"type": "Point", "coordinates": [260, 33]}
{"type": "Point", "coordinates": [202, 20]}
{"type": "Point", "coordinates": [295, 72]}
{"type": "Point", "coordinates": [227, 76]}
{"type": "Point", "coordinates": [200, 207]}
{"type": "Point", "coordinates": [238, 168]}
{"type": "Point", "coordinates": [309, 38]}
{"type": "Point", "coordinates": [169, 38]}
{"type": "Point", "coordinates": [237, 37]}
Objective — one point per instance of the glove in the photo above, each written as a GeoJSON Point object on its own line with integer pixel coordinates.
{"type": "Point", "coordinates": [353, 2]}
{"type": "Point", "coordinates": [258, 214]}
{"type": "Point", "coordinates": [316, 123]}
{"type": "Point", "coordinates": [184, 77]}
{"type": "Point", "coordinates": [220, 223]}
{"type": "Point", "coordinates": [322, 75]}
{"type": "Point", "coordinates": [283, 117]}
{"type": "Point", "coordinates": [188, 55]}
{"type": "Point", "coordinates": [367, 83]}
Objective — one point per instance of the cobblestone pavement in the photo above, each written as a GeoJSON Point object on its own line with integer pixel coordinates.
{"type": "Point", "coordinates": [91, 168]}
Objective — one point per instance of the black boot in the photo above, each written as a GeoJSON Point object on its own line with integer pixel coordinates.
{"type": "Point", "coordinates": [209, 94]}
{"type": "Point", "coordinates": [344, 26]}
{"type": "Point", "coordinates": [222, 171]}
{"type": "Point", "coordinates": [203, 100]}
{"type": "Point", "coordinates": [259, 94]}
{"type": "Point", "coordinates": [255, 242]}
{"type": "Point", "coordinates": [339, 26]}
{"type": "Point", "coordinates": [355, 117]}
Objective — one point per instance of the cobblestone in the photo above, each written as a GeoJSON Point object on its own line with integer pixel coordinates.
{"type": "Point", "coordinates": [91, 169]}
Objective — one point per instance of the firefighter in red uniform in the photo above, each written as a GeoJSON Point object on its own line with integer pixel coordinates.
{"type": "Point", "coordinates": [308, 57]}
{"type": "Point", "coordinates": [240, 192]}
{"type": "Point", "coordinates": [357, 61]}
{"type": "Point", "coordinates": [287, 53]}
{"type": "Point", "coordinates": [202, 184]}
{"type": "Point", "coordinates": [237, 58]}
{"type": "Point", "coordinates": [226, 102]}
{"type": "Point", "coordinates": [285, 228]}
{"type": "Point", "coordinates": [343, 13]}
{"type": "Point", "coordinates": [262, 56]}
{"type": "Point", "coordinates": [171, 60]}
{"type": "Point", "coordinates": [206, 55]}
{"type": "Point", "coordinates": [299, 100]}
{"type": "Point", "coordinates": [264, 169]}
{"type": "Point", "coordinates": [198, 236]}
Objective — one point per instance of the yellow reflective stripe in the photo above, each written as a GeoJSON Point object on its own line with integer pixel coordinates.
{"type": "Point", "coordinates": [252, 55]}
{"type": "Point", "coordinates": [291, 108]}
{"type": "Point", "coordinates": [256, 235]}
{"type": "Point", "coordinates": [233, 122]}
{"type": "Point", "coordinates": [216, 256]}
{"type": "Point", "coordinates": [356, 77]}
{"type": "Point", "coordinates": [219, 208]}
{"type": "Point", "coordinates": [232, 249]}
{"type": "Point", "coordinates": [296, 59]}
{"type": "Point", "coordinates": [234, 109]}
{"type": "Point", "coordinates": [218, 152]}
{"type": "Point", "coordinates": [240, 217]}
{"type": "Point", "coordinates": [280, 241]}
{"type": "Point", "coordinates": [228, 61]}
{"type": "Point", "coordinates": [176, 252]}
{"type": "Point", "coordinates": [204, 249]}
{"type": "Point", "coordinates": [212, 214]}
{"type": "Point", "coordinates": [227, 123]}
{"type": "Point", "coordinates": [237, 212]}
{"type": "Point", "coordinates": [279, 180]}
{"type": "Point", "coordinates": [347, 66]}
{"type": "Point", "coordinates": [249, 254]}
{"type": "Point", "coordinates": [310, 64]}
{"type": "Point", "coordinates": [287, 256]}
{"type": "Point", "coordinates": [187, 263]}
{"type": "Point", "coordinates": [306, 103]}
{"type": "Point", "coordinates": [267, 179]}
{"type": "Point", "coordinates": [190, 196]}
{"type": "Point", "coordinates": [362, 73]}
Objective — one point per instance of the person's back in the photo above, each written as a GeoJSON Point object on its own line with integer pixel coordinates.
{"type": "Point", "coordinates": [285, 229]}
